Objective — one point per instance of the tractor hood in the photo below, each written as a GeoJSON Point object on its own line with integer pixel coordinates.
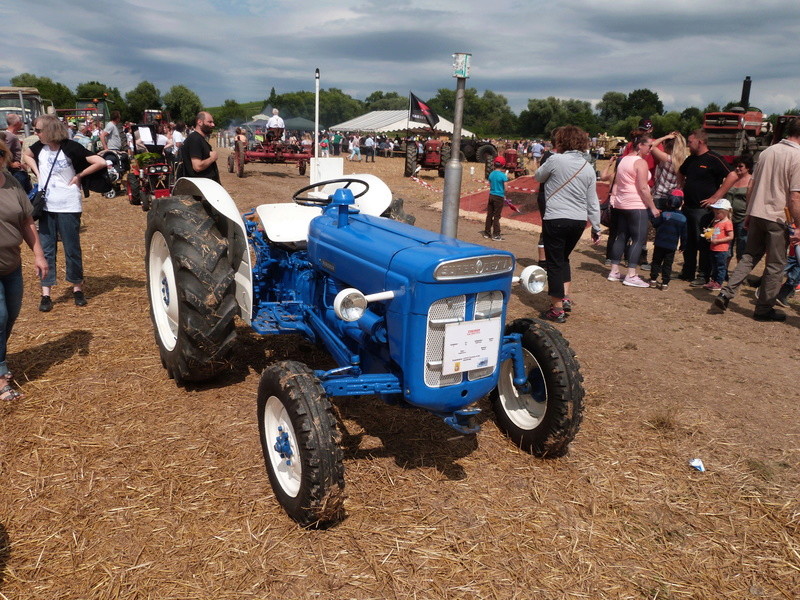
{"type": "Point", "coordinates": [364, 249]}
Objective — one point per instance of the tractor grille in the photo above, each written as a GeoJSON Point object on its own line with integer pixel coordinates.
{"type": "Point", "coordinates": [454, 310]}
{"type": "Point", "coordinates": [487, 306]}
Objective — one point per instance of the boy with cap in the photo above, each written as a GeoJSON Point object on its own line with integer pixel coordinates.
{"type": "Point", "coordinates": [720, 238]}
{"type": "Point", "coordinates": [497, 194]}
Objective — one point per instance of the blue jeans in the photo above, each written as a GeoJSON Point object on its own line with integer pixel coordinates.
{"type": "Point", "coordinates": [719, 266]}
{"type": "Point", "coordinates": [68, 226]}
{"type": "Point", "coordinates": [10, 305]}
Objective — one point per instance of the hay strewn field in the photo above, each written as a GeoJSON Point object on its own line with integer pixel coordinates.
{"type": "Point", "coordinates": [116, 484]}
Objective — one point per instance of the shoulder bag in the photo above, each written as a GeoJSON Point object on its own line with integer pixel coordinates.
{"type": "Point", "coordinates": [39, 201]}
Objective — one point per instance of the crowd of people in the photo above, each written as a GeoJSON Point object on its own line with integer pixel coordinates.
{"type": "Point", "coordinates": [685, 197]}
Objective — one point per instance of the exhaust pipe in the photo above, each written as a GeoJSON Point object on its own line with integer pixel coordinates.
{"type": "Point", "coordinates": [745, 102]}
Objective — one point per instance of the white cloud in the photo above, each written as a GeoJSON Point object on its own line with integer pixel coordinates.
{"type": "Point", "coordinates": [691, 53]}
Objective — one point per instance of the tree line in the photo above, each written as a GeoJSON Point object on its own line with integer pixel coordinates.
{"type": "Point", "coordinates": [487, 114]}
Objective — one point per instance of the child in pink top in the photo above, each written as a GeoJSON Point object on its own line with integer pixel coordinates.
{"type": "Point", "coordinates": [721, 236]}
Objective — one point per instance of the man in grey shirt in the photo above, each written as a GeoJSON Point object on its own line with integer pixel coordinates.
{"type": "Point", "coordinates": [111, 136]}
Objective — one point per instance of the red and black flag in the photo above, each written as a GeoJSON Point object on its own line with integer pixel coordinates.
{"type": "Point", "coordinates": [419, 112]}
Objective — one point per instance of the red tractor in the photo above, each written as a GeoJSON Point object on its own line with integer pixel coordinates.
{"type": "Point", "coordinates": [737, 132]}
{"type": "Point", "coordinates": [151, 177]}
{"type": "Point", "coordinates": [271, 150]}
{"type": "Point", "coordinates": [431, 155]}
{"type": "Point", "coordinates": [514, 164]}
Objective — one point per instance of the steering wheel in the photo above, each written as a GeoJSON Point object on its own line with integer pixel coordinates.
{"type": "Point", "coordinates": [308, 201]}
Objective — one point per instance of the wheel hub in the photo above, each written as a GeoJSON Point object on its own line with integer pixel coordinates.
{"type": "Point", "coordinates": [283, 446]}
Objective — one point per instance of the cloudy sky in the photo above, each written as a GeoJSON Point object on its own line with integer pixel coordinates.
{"type": "Point", "coordinates": [691, 52]}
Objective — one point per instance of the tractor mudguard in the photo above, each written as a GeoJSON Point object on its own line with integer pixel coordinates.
{"type": "Point", "coordinates": [214, 195]}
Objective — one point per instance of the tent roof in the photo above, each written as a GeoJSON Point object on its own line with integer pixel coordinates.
{"type": "Point", "coordinates": [383, 121]}
{"type": "Point", "coordinates": [299, 123]}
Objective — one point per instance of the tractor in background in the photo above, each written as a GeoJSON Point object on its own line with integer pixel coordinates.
{"type": "Point", "coordinates": [428, 155]}
{"type": "Point", "coordinates": [271, 149]}
{"type": "Point", "coordinates": [514, 163]}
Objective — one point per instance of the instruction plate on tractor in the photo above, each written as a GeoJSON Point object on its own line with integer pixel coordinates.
{"type": "Point", "coordinates": [471, 345]}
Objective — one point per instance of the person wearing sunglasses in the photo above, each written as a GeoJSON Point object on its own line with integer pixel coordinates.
{"type": "Point", "coordinates": [60, 165]}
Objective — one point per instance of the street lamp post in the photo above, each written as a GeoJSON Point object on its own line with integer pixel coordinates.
{"type": "Point", "coordinates": [453, 169]}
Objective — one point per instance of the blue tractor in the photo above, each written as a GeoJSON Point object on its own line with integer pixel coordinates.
{"type": "Point", "coordinates": [412, 316]}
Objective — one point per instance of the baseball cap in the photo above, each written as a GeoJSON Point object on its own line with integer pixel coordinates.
{"type": "Point", "coordinates": [646, 124]}
{"type": "Point", "coordinates": [722, 203]}
{"type": "Point", "coordinates": [499, 161]}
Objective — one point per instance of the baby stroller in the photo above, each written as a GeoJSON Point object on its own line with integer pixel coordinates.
{"type": "Point", "coordinates": [118, 164]}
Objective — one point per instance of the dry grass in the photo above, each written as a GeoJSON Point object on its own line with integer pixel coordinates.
{"type": "Point", "coordinates": [117, 484]}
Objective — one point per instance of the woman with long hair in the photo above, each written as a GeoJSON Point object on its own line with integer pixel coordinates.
{"type": "Point", "coordinates": [571, 199]}
{"type": "Point", "coordinates": [16, 226]}
{"type": "Point", "coordinates": [632, 203]}
{"type": "Point", "coordinates": [669, 160]}
{"type": "Point", "coordinates": [60, 164]}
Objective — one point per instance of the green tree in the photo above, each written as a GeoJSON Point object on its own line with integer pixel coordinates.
{"type": "Point", "coordinates": [663, 124]}
{"type": "Point", "coordinates": [611, 108]}
{"type": "Point", "coordinates": [534, 120]}
{"type": "Point", "coordinates": [60, 94]}
{"type": "Point", "coordinates": [273, 97]}
{"type": "Point", "coordinates": [495, 116]}
{"type": "Point", "coordinates": [712, 107]}
{"type": "Point", "coordinates": [144, 96]}
{"type": "Point", "coordinates": [182, 104]}
{"type": "Point", "coordinates": [296, 104]}
{"type": "Point", "coordinates": [385, 101]}
{"type": "Point", "coordinates": [644, 103]}
{"type": "Point", "coordinates": [231, 112]}
{"type": "Point", "coordinates": [336, 107]}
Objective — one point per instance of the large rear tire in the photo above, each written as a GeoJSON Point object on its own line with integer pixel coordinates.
{"type": "Point", "coordinates": [191, 289]}
{"type": "Point", "coordinates": [300, 442]}
{"type": "Point", "coordinates": [485, 152]}
{"type": "Point", "coordinates": [411, 159]}
{"type": "Point", "coordinates": [447, 149]}
{"type": "Point", "coordinates": [134, 189]}
{"type": "Point", "coordinates": [544, 421]}
{"type": "Point", "coordinates": [239, 159]}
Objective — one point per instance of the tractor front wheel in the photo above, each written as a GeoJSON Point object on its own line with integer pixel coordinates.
{"type": "Point", "coordinates": [239, 159]}
{"type": "Point", "coordinates": [546, 418]}
{"type": "Point", "coordinates": [411, 159]}
{"type": "Point", "coordinates": [191, 289]}
{"type": "Point", "coordinates": [300, 442]}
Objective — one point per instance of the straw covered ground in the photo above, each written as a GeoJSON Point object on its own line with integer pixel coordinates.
{"type": "Point", "coordinates": [116, 484]}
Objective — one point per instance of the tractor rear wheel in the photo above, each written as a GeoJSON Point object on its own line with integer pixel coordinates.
{"type": "Point", "coordinates": [239, 159]}
{"type": "Point", "coordinates": [546, 419]}
{"type": "Point", "coordinates": [231, 160]}
{"type": "Point", "coordinates": [134, 189]}
{"type": "Point", "coordinates": [300, 442]}
{"type": "Point", "coordinates": [485, 152]}
{"type": "Point", "coordinates": [445, 156]}
{"type": "Point", "coordinates": [411, 159]}
{"type": "Point", "coordinates": [488, 166]}
{"type": "Point", "coordinates": [191, 289]}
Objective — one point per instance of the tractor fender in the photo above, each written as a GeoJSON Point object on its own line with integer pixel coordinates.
{"type": "Point", "coordinates": [214, 196]}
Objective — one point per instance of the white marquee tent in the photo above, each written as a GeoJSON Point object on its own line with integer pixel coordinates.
{"type": "Point", "coordinates": [384, 121]}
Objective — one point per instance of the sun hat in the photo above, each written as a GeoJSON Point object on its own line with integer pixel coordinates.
{"type": "Point", "coordinates": [722, 203]}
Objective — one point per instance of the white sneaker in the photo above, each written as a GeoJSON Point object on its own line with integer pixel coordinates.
{"type": "Point", "coordinates": [635, 281]}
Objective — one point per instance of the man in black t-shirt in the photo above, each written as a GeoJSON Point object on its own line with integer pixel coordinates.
{"type": "Point", "coordinates": [199, 160]}
{"type": "Point", "coordinates": [701, 175]}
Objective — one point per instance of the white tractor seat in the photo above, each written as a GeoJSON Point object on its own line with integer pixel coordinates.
{"type": "Point", "coordinates": [288, 223]}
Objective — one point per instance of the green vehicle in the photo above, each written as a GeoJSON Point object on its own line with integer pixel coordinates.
{"type": "Point", "coordinates": [24, 101]}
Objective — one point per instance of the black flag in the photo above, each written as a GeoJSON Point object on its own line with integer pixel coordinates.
{"type": "Point", "coordinates": [421, 113]}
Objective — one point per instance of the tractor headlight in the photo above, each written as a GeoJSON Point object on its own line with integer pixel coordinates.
{"type": "Point", "coordinates": [533, 279]}
{"type": "Point", "coordinates": [350, 305]}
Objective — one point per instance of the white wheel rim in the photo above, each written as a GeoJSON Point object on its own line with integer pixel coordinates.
{"type": "Point", "coordinates": [526, 411]}
{"type": "Point", "coordinates": [276, 421]}
{"type": "Point", "coordinates": [163, 291]}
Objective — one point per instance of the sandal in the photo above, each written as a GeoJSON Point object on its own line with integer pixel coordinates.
{"type": "Point", "coordinates": [9, 393]}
